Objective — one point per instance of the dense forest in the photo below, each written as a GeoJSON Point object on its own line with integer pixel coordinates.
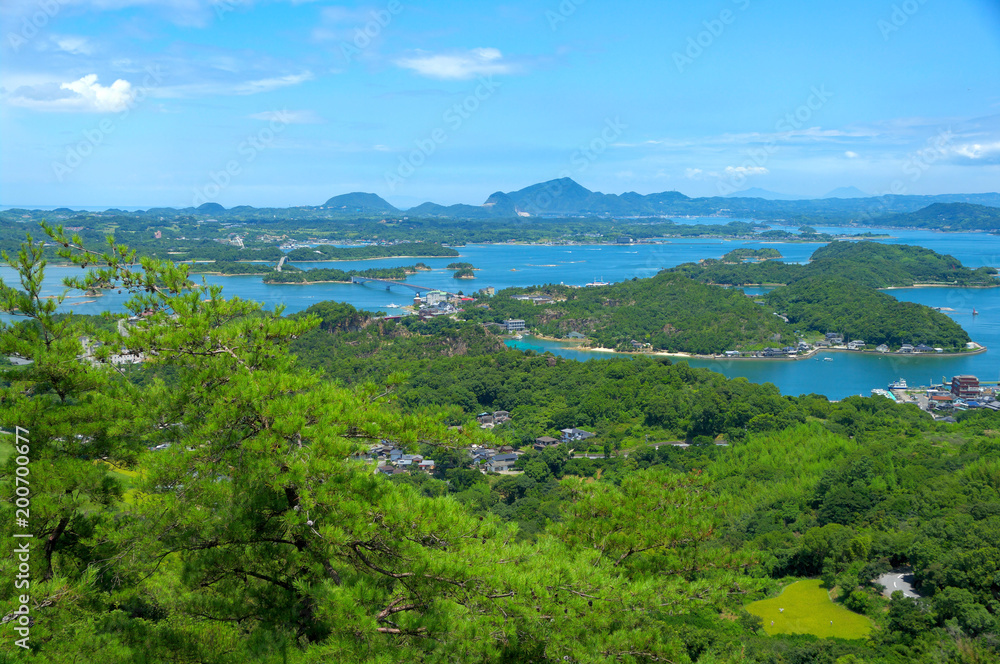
{"type": "Point", "coordinates": [836, 304]}
{"type": "Point", "coordinates": [871, 264]}
{"type": "Point", "coordinates": [948, 217]}
{"type": "Point", "coordinates": [325, 252]}
{"type": "Point", "coordinates": [833, 293]}
{"type": "Point", "coordinates": [292, 275]}
{"type": "Point", "coordinates": [668, 311]}
{"type": "Point", "coordinates": [215, 503]}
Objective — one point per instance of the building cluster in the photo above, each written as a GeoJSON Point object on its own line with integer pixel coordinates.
{"type": "Point", "coordinates": [831, 340]}
{"type": "Point", "coordinates": [494, 460]}
{"type": "Point", "coordinates": [394, 461]}
{"type": "Point", "coordinates": [438, 303]}
{"type": "Point", "coordinates": [834, 340]}
{"type": "Point", "coordinates": [786, 351]}
{"type": "Point", "coordinates": [490, 420]}
{"type": "Point", "coordinates": [964, 393]}
{"type": "Point", "coordinates": [534, 299]}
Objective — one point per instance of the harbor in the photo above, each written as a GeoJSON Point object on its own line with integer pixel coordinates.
{"type": "Point", "coordinates": [944, 400]}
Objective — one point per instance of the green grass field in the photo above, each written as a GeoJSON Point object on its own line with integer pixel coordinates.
{"type": "Point", "coordinates": [6, 448]}
{"type": "Point", "coordinates": [809, 610]}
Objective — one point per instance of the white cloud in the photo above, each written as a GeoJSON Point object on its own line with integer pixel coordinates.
{"type": "Point", "coordinates": [457, 66]}
{"type": "Point", "coordinates": [84, 95]}
{"type": "Point", "coordinates": [693, 173]}
{"type": "Point", "coordinates": [268, 84]}
{"type": "Point", "coordinates": [746, 170]}
{"type": "Point", "coordinates": [73, 45]}
{"type": "Point", "coordinates": [290, 117]}
{"type": "Point", "coordinates": [850, 154]}
{"type": "Point", "coordinates": [97, 97]}
{"type": "Point", "coordinates": [977, 150]}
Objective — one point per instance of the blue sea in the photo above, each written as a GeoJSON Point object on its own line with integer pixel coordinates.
{"type": "Point", "coordinates": [503, 265]}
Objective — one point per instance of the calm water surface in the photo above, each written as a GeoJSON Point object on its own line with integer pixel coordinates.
{"type": "Point", "coordinates": [524, 265]}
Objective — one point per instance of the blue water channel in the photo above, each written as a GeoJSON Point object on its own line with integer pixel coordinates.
{"type": "Point", "coordinates": [503, 265]}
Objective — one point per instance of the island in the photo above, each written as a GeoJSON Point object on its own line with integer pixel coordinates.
{"type": "Point", "coordinates": [402, 249]}
{"type": "Point", "coordinates": [684, 310]}
{"type": "Point", "coordinates": [292, 275]}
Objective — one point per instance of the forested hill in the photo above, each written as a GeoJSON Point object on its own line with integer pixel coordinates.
{"type": "Point", "coordinates": [221, 503]}
{"type": "Point", "coordinates": [842, 305]}
{"type": "Point", "coordinates": [326, 252]}
{"type": "Point", "coordinates": [948, 217]}
{"type": "Point", "coordinates": [882, 265]}
{"type": "Point", "coordinates": [871, 264]}
{"type": "Point", "coordinates": [668, 311]}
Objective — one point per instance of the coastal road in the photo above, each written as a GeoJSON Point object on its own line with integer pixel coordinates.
{"type": "Point", "coordinates": [899, 579]}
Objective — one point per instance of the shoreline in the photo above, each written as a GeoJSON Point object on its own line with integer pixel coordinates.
{"type": "Point", "coordinates": [351, 260]}
{"type": "Point", "coordinates": [809, 355]}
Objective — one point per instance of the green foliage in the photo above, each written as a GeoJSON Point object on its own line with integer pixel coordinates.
{"type": "Point", "coordinates": [658, 311]}
{"type": "Point", "coordinates": [838, 304]}
{"type": "Point", "coordinates": [325, 252]}
{"type": "Point", "coordinates": [323, 275]}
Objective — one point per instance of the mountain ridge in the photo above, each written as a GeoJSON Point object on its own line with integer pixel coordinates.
{"type": "Point", "coordinates": [564, 197]}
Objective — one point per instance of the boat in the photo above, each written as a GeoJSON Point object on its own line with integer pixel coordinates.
{"type": "Point", "coordinates": [599, 283]}
{"type": "Point", "coordinates": [828, 359]}
{"type": "Point", "coordinates": [974, 312]}
{"type": "Point", "coordinates": [898, 384]}
{"type": "Point", "coordinates": [392, 306]}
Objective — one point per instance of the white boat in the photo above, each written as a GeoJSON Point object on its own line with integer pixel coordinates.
{"type": "Point", "coordinates": [392, 306]}
{"type": "Point", "coordinates": [599, 283]}
{"type": "Point", "coordinates": [898, 384]}
{"type": "Point", "coordinates": [828, 359]}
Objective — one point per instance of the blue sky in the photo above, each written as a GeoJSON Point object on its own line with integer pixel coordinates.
{"type": "Point", "coordinates": [145, 103]}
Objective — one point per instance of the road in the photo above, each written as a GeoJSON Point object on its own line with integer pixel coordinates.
{"type": "Point", "coordinates": [899, 579]}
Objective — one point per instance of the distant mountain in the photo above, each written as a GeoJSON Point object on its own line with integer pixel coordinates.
{"type": "Point", "coordinates": [360, 202]}
{"type": "Point", "coordinates": [566, 198]}
{"type": "Point", "coordinates": [757, 192]}
{"type": "Point", "coordinates": [948, 216]}
{"type": "Point", "coordinates": [846, 192]}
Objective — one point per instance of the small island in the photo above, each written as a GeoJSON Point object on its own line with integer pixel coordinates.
{"type": "Point", "coordinates": [292, 275]}
{"type": "Point", "coordinates": [463, 270]}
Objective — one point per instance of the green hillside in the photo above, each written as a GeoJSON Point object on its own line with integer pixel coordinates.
{"type": "Point", "coordinates": [841, 305]}
{"type": "Point", "coordinates": [948, 217]}
{"type": "Point", "coordinates": [669, 311]}
{"type": "Point", "coordinates": [872, 264]}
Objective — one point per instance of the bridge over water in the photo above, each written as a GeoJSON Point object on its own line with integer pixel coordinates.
{"type": "Point", "coordinates": [389, 283]}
